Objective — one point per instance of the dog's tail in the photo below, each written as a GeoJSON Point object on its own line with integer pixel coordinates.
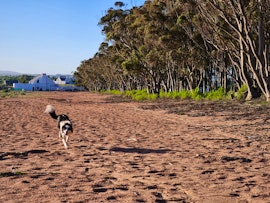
{"type": "Point", "coordinates": [50, 110]}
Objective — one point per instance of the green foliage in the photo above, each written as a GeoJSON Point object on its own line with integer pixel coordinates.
{"type": "Point", "coordinates": [11, 93]}
{"type": "Point", "coordinates": [216, 94]}
{"type": "Point", "coordinates": [183, 94]}
{"type": "Point", "coordinates": [196, 94]}
{"type": "Point", "coordinates": [115, 92]}
{"type": "Point", "coordinates": [240, 94]}
{"type": "Point", "coordinates": [2, 78]}
{"type": "Point", "coordinates": [139, 95]}
{"type": "Point", "coordinates": [20, 78]}
{"type": "Point", "coordinates": [25, 78]}
{"type": "Point", "coordinates": [169, 95]}
{"type": "Point", "coordinates": [230, 95]}
{"type": "Point", "coordinates": [167, 42]}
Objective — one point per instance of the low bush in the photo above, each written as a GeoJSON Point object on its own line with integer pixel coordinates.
{"type": "Point", "coordinates": [196, 94]}
{"type": "Point", "coordinates": [140, 95]}
{"type": "Point", "coordinates": [183, 94]}
{"type": "Point", "coordinates": [219, 94]}
{"type": "Point", "coordinates": [241, 93]}
{"type": "Point", "coordinates": [216, 94]}
{"type": "Point", "coordinates": [6, 93]}
{"type": "Point", "coordinates": [170, 95]}
{"type": "Point", "coordinates": [115, 92]}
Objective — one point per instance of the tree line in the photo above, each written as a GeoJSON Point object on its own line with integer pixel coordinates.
{"type": "Point", "coordinates": [21, 78]}
{"type": "Point", "coordinates": [174, 45]}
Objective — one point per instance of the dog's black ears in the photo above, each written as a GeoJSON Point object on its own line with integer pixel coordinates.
{"type": "Point", "coordinates": [68, 127]}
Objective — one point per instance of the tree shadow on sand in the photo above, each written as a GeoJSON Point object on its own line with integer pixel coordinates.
{"type": "Point", "coordinates": [3, 155]}
{"type": "Point", "coordinates": [139, 150]}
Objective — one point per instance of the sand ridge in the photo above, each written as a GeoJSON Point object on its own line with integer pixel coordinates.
{"type": "Point", "coordinates": [131, 152]}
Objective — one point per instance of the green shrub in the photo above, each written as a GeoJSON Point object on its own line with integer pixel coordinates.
{"type": "Point", "coordinates": [170, 95]}
{"type": "Point", "coordinates": [241, 93]}
{"type": "Point", "coordinates": [185, 94]}
{"type": "Point", "coordinates": [140, 95]}
{"type": "Point", "coordinates": [216, 94]}
{"type": "Point", "coordinates": [196, 94]}
{"type": "Point", "coordinates": [152, 96]}
{"type": "Point", "coordinates": [230, 95]}
{"type": "Point", "coordinates": [130, 93]}
{"type": "Point", "coordinates": [115, 92]}
{"type": "Point", "coordinates": [163, 94]}
{"type": "Point", "coordinates": [7, 93]}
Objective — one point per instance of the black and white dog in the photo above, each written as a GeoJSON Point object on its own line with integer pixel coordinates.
{"type": "Point", "coordinates": [63, 123]}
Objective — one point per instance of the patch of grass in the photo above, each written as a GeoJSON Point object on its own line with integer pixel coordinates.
{"type": "Point", "coordinates": [16, 93]}
{"type": "Point", "coordinates": [11, 93]}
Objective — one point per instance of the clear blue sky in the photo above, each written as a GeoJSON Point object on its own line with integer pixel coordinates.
{"type": "Point", "coordinates": [51, 36]}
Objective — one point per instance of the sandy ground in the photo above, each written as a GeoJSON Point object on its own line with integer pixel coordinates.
{"type": "Point", "coordinates": [133, 152]}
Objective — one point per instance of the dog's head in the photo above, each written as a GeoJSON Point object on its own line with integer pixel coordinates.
{"type": "Point", "coordinates": [66, 128]}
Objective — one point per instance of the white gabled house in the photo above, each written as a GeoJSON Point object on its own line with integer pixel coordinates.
{"type": "Point", "coordinates": [63, 80]}
{"type": "Point", "coordinates": [40, 83]}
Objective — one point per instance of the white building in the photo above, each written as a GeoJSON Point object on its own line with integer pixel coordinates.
{"type": "Point", "coordinates": [40, 83]}
{"type": "Point", "coordinates": [63, 80]}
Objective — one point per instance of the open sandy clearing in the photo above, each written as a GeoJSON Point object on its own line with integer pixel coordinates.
{"type": "Point", "coordinates": [133, 152]}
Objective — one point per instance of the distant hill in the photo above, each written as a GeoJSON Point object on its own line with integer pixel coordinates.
{"type": "Point", "coordinates": [12, 73]}
{"type": "Point", "coordinates": [9, 73]}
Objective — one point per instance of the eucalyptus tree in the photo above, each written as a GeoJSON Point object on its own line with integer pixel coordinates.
{"type": "Point", "coordinates": [166, 55]}
{"type": "Point", "coordinates": [100, 73]}
{"type": "Point", "coordinates": [240, 29]}
{"type": "Point", "coordinates": [124, 41]}
{"type": "Point", "coordinates": [174, 44]}
{"type": "Point", "coordinates": [128, 31]}
{"type": "Point", "coordinates": [81, 74]}
{"type": "Point", "coordinates": [152, 26]}
{"type": "Point", "coordinates": [202, 66]}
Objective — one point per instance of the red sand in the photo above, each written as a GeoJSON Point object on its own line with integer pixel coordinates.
{"type": "Point", "coordinates": [133, 152]}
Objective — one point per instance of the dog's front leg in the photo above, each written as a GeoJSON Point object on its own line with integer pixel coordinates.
{"type": "Point", "coordinates": [65, 143]}
{"type": "Point", "coordinates": [67, 138]}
